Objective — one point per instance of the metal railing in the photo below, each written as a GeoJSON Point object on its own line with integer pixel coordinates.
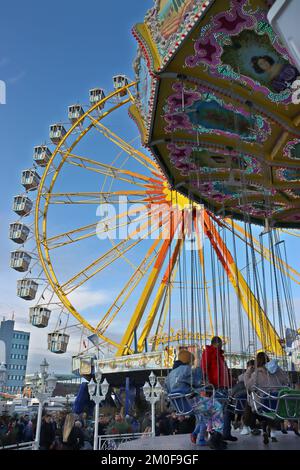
{"type": "Point", "coordinates": [20, 446]}
{"type": "Point", "coordinates": [113, 441]}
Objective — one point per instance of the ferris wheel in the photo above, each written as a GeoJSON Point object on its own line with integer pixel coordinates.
{"type": "Point", "coordinates": [110, 221]}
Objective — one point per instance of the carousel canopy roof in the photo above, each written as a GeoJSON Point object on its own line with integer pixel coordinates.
{"type": "Point", "coordinates": [217, 108]}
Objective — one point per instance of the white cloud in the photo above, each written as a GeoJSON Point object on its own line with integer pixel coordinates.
{"type": "Point", "coordinates": [84, 298]}
{"type": "Point", "coordinates": [13, 307]}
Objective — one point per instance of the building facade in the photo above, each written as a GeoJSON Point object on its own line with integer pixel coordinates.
{"type": "Point", "coordinates": [16, 344]}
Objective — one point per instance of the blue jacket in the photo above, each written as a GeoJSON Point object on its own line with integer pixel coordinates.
{"type": "Point", "coordinates": [183, 378]}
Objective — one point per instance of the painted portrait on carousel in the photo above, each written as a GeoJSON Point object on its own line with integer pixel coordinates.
{"type": "Point", "coordinates": [253, 55]}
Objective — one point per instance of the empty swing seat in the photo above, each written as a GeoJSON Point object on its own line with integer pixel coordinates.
{"type": "Point", "coordinates": [288, 406]}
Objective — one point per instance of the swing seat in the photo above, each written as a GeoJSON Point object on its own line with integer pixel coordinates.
{"type": "Point", "coordinates": [237, 404]}
{"type": "Point", "coordinates": [288, 406]}
{"type": "Point", "coordinates": [181, 403]}
{"type": "Point", "coordinates": [283, 404]}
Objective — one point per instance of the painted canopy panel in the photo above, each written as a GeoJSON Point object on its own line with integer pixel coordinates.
{"type": "Point", "coordinates": [217, 107]}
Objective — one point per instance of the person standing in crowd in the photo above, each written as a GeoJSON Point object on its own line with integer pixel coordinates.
{"type": "Point", "coordinates": [102, 425]}
{"type": "Point", "coordinates": [47, 433]}
{"type": "Point", "coordinates": [28, 431]}
{"type": "Point", "coordinates": [76, 437]}
{"type": "Point", "coordinates": [216, 373]}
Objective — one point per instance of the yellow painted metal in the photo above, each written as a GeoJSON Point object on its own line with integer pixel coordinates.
{"type": "Point", "coordinates": [289, 232]}
{"type": "Point", "coordinates": [41, 238]}
{"type": "Point", "coordinates": [161, 325]}
{"type": "Point", "coordinates": [158, 298]}
{"type": "Point", "coordinates": [264, 329]}
{"type": "Point", "coordinates": [144, 298]}
{"type": "Point", "coordinates": [133, 239]}
{"type": "Point", "coordinates": [109, 170]}
{"type": "Point", "coordinates": [175, 337]}
{"type": "Point", "coordinates": [129, 287]}
{"type": "Point", "coordinates": [68, 239]}
{"type": "Point", "coordinates": [160, 193]}
{"type": "Point", "coordinates": [139, 156]}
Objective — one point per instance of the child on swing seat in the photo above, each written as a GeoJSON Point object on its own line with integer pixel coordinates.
{"type": "Point", "coordinates": [208, 412]}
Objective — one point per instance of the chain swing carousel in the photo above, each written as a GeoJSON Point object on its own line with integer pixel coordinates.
{"type": "Point", "coordinates": [221, 120]}
{"type": "Point", "coordinates": [224, 140]}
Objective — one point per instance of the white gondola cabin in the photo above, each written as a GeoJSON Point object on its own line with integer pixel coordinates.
{"type": "Point", "coordinates": [58, 342]}
{"type": "Point", "coordinates": [18, 233]}
{"type": "Point", "coordinates": [57, 132]}
{"type": "Point", "coordinates": [75, 111]}
{"type": "Point", "coordinates": [41, 155]}
{"type": "Point", "coordinates": [97, 95]}
{"type": "Point", "coordinates": [119, 82]}
{"type": "Point", "coordinates": [39, 316]}
{"type": "Point", "coordinates": [30, 179]}
{"type": "Point", "coordinates": [27, 289]}
{"type": "Point", "coordinates": [22, 205]}
{"type": "Point", "coordinates": [20, 260]}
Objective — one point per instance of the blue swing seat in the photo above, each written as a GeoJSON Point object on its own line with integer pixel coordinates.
{"type": "Point", "coordinates": [181, 403]}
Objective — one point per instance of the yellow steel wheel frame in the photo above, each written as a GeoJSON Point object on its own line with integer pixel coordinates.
{"type": "Point", "coordinates": [41, 238]}
{"type": "Point", "coordinates": [172, 198]}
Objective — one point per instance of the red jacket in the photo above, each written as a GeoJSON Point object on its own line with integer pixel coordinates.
{"type": "Point", "coordinates": [214, 367]}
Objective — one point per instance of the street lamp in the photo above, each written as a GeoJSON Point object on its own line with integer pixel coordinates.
{"type": "Point", "coordinates": [152, 394]}
{"type": "Point", "coordinates": [43, 386]}
{"type": "Point", "coordinates": [97, 392]}
{"type": "Point", "coordinates": [3, 375]}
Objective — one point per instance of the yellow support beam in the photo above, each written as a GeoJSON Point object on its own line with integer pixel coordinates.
{"type": "Point", "coordinates": [129, 287]}
{"type": "Point", "coordinates": [158, 298]}
{"type": "Point", "coordinates": [148, 289]}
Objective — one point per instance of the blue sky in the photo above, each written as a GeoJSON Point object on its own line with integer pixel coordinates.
{"type": "Point", "coordinates": [51, 54]}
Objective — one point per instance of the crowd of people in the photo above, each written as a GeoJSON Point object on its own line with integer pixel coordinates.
{"type": "Point", "coordinates": [67, 431]}
{"type": "Point", "coordinates": [211, 393]}
{"type": "Point", "coordinates": [213, 405]}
